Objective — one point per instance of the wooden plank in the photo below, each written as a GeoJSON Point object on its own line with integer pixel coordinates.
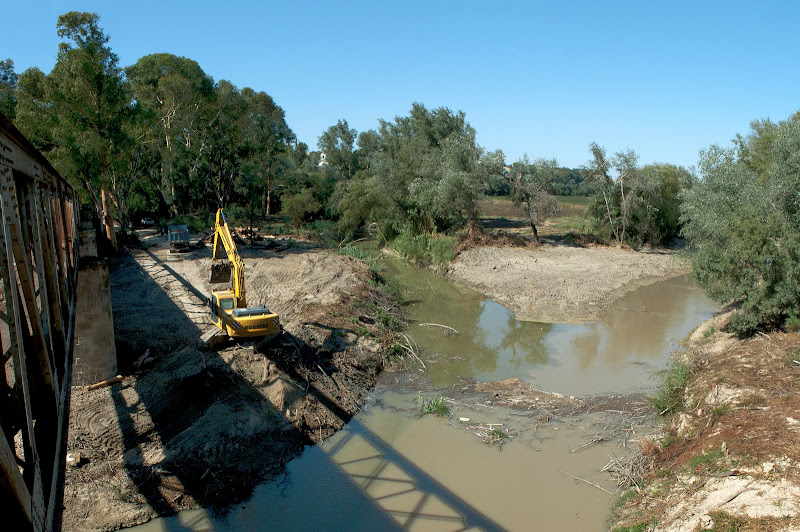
{"type": "Point", "coordinates": [13, 476]}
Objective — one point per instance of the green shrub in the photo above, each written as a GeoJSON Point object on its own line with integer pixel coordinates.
{"type": "Point", "coordinates": [436, 250]}
{"type": "Point", "coordinates": [358, 253]}
{"type": "Point", "coordinates": [742, 223]}
{"type": "Point", "coordinates": [669, 395]}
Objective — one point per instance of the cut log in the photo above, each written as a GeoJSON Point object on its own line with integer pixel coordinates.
{"type": "Point", "coordinates": [107, 382]}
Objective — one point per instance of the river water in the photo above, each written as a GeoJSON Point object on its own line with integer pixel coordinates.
{"type": "Point", "coordinates": [391, 469]}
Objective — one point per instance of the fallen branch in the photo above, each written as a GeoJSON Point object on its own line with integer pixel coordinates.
{"type": "Point", "coordinates": [598, 486]}
{"type": "Point", "coordinates": [597, 439]}
{"type": "Point", "coordinates": [410, 350]}
{"type": "Point", "coordinates": [447, 330]}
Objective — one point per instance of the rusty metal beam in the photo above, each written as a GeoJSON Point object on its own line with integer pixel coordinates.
{"type": "Point", "coordinates": [38, 274]}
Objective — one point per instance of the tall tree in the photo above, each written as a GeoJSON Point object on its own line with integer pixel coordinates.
{"type": "Point", "coordinates": [531, 184]}
{"type": "Point", "coordinates": [175, 97]}
{"type": "Point", "coordinates": [338, 144]}
{"type": "Point", "coordinates": [270, 138]}
{"type": "Point", "coordinates": [34, 114]}
{"type": "Point", "coordinates": [8, 84]}
{"type": "Point", "coordinates": [77, 111]}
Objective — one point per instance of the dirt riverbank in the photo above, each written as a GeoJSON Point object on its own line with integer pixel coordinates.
{"type": "Point", "coordinates": [192, 428]}
{"type": "Point", "coordinates": [728, 458]}
{"type": "Point", "coordinates": [560, 283]}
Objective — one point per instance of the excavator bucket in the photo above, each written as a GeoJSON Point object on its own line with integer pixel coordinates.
{"type": "Point", "coordinates": [221, 271]}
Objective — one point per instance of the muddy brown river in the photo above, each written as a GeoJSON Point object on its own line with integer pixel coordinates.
{"type": "Point", "coordinates": [391, 469]}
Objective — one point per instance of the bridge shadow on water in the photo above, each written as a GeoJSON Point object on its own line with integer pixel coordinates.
{"type": "Point", "coordinates": [195, 431]}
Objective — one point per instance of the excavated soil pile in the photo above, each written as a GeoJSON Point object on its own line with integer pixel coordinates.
{"type": "Point", "coordinates": [189, 428]}
{"type": "Point", "coordinates": [562, 283]}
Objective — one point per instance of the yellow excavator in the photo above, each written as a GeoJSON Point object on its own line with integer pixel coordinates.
{"type": "Point", "coordinates": [229, 310]}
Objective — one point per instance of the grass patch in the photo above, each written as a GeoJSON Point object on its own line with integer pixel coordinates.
{"type": "Point", "coordinates": [669, 440]}
{"type": "Point", "coordinates": [391, 287]}
{"type": "Point", "coordinates": [752, 401]}
{"type": "Point", "coordinates": [725, 522]}
{"type": "Point", "coordinates": [719, 411]}
{"type": "Point", "coordinates": [641, 526]}
{"type": "Point", "coordinates": [574, 200]}
{"type": "Point", "coordinates": [669, 396]}
{"type": "Point", "coordinates": [435, 406]}
{"type": "Point", "coordinates": [432, 249]}
{"type": "Point", "coordinates": [359, 254]}
{"type": "Point", "coordinates": [497, 433]}
{"type": "Point", "coordinates": [704, 459]}
{"type": "Point", "coordinates": [388, 321]}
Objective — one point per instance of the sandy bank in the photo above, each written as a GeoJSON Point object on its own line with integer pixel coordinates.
{"type": "Point", "coordinates": [560, 283]}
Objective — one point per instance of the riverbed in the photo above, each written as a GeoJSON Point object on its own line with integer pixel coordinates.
{"type": "Point", "coordinates": [392, 469]}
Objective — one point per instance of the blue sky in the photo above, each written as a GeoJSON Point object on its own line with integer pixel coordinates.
{"type": "Point", "coordinates": [666, 79]}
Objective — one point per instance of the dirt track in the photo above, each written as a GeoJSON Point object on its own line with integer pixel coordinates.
{"type": "Point", "coordinates": [557, 283]}
{"type": "Point", "coordinates": [203, 428]}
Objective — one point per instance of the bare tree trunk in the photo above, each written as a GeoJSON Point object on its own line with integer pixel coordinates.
{"type": "Point", "coordinates": [535, 234]}
{"type": "Point", "coordinates": [108, 220]}
{"type": "Point", "coordinates": [266, 195]}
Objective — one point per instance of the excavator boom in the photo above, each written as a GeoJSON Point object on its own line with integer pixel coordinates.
{"type": "Point", "coordinates": [224, 239]}
{"type": "Point", "coordinates": [229, 310]}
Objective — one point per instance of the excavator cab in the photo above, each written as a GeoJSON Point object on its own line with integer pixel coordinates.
{"type": "Point", "coordinates": [220, 302]}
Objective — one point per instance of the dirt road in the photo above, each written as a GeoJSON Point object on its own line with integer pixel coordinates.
{"type": "Point", "coordinates": [195, 428]}
{"type": "Point", "coordinates": [559, 283]}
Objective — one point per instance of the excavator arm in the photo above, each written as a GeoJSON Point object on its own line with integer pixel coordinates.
{"type": "Point", "coordinates": [224, 239]}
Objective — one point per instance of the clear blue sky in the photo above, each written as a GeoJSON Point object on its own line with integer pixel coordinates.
{"type": "Point", "coordinates": [666, 79]}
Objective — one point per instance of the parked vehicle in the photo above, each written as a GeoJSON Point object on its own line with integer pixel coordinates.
{"type": "Point", "coordinates": [178, 238]}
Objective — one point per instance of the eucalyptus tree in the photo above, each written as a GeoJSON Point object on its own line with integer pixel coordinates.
{"type": "Point", "coordinates": [270, 140]}
{"type": "Point", "coordinates": [8, 83]}
{"type": "Point", "coordinates": [176, 99]}
{"type": "Point", "coordinates": [338, 144]}
{"type": "Point", "coordinates": [76, 113]}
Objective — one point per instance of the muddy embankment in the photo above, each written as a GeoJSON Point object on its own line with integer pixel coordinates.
{"type": "Point", "coordinates": [562, 283]}
{"type": "Point", "coordinates": [202, 428]}
{"type": "Point", "coordinates": [729, 457]}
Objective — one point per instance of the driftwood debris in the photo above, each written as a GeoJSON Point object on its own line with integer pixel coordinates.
{"type": "Point", "coordinates": [409, 348]}
{"type": "Point", "coordinates": [598, 486]}
{"type": "Point", "coordinates": [446, 330]}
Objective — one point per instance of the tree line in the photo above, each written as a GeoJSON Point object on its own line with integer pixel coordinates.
{"type": "Point", "coordinates": [159, 136]}
{"type": "Point", "coordinates": [162, 137]}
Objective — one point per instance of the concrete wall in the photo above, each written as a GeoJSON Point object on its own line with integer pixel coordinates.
{"type": "Point", "coordinates": [88, 243]}
{"type": "Point", "coordinates": [95, 352]}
